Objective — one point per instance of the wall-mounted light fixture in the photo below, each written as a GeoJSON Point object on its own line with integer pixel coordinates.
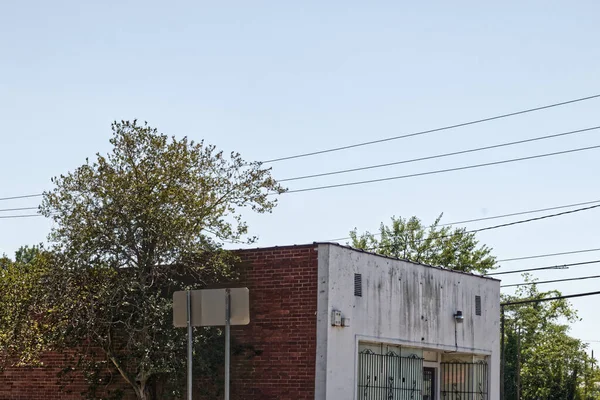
{"type": "Point", "coordinates": [458, 317]}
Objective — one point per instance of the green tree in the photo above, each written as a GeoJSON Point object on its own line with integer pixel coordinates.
{"type": "Point", "coordinates": [131, 228]}
{"type": "Point", "coordinates": [553, 365]}
{"type": "Point", "coordinates": [410, 239]}
{"type": "Point", "coordinates": [21, 304]}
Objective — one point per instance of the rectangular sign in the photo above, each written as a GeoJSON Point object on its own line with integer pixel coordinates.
{"type": "Point", "coordinates": [208, 307]}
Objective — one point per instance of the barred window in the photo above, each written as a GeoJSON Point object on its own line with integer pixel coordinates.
{"type": "Point", "coordinates": [389, 376]}
{"type": "Point", "coordinates": [464, 380]}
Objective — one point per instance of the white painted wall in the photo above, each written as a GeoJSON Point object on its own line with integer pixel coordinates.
{"type": "Point", "coordinates": [402, 303]}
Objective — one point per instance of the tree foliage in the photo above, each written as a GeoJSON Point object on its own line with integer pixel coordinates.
{"type": "Point", "coordinates": [131, 228]}
{"type": "Point", "coordinates": [410, 239]}
{"type": "Point", "coordinates": [553, 365]}
{"type": "Point", "coordinates": [22, 295]}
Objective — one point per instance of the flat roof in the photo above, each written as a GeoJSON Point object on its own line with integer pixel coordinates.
{"type": "Point", "coordinates": [292, 246]}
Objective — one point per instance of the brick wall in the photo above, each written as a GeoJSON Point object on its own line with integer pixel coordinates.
{"type": "Point", "coordinates": [43, 382]}
{"type": "Point", "coordinates": [282, 331]}
{"type": "Point", "coordinates": [278, 347]}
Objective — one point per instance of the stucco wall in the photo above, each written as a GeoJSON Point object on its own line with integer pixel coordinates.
{"type": "Point", "coordinates": [401, 303]}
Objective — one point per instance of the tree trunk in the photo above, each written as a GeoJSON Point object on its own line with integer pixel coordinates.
{"type": "Point", "coordinates": [145, 391]}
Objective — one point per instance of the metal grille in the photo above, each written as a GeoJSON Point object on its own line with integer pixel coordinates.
{"type": "Point", "coordinates": [389, 376]}
{"type": "Point", "coordinates": [428, 384]}
{"type": "Point", "coordinates": [358, 285]}
{"type": "Point", "coordinates": [477, 305]}
{"type": "Point", "coordinates": [464, 381]}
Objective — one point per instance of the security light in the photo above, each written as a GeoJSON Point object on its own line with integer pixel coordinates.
{"type": "Point", "coordinates": [459, 316]}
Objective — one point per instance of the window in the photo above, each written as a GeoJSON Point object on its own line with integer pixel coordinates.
{"type": "Point", "coordinates": [477, 305]}
{"type": "Point", "coordinates": [464, 380]}
{"type": "Point", "coordinates": [389, 376]}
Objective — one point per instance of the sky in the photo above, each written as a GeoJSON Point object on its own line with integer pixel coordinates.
{"type": "Point", "coordinates": [273, 79]}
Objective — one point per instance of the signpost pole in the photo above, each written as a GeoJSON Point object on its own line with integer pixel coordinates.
{"type": "Point", "coordinates": [227, 339]}
{"type": "Point", "coordinates": [189, 349]}
{"type": "Point", "coordinates": [211, 307]}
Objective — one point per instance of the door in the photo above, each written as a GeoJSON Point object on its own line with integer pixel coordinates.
{"type": "Point", "coordinates": [428, 383]}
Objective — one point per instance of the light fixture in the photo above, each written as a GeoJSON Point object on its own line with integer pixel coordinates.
{"type": "Point", "coordinates": [458, 317]}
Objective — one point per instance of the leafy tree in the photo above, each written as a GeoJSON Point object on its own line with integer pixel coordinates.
{"type": "Point", "coordinates": [410, 239]}
{"type": "Point", "coordinates": [21, 304]}
{"type": "Point", "coordinates": [131, 228]}
{"type": "Point", "coordinates": [553, 365]}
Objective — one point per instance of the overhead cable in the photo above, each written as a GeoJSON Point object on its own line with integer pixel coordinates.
{"type": "Point", "coordinates": [21, 197]}
{"type": "Point", "coordinates": [440, 155]}
{"type": "Point", "coordinates": [551, 281]}
{"type": "Point", "coordinates": [548, 255]}
{"type": "Point", "coordinates": [494, 217]}
{"type": "Point", "coordinates": [18, 209]}
{"type": "Point", "coordinates": [487, 228]}
{"type": "Point", "coordinates": [20, 216]}
{"type": "Point", "coordinates": [309, 189]}
{"type": "Point", "coordinates": [561, 266]}
{"type": "Point", "coordinates": [539, 300]}
{"type": "Point", "coordinates": [444, 128]}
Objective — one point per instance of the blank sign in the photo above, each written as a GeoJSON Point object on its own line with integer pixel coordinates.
{"type": "Point", "coordinates": [208, 307]}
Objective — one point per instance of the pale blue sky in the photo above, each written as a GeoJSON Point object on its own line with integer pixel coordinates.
{"type": "Point", "coordinates": [271, 79]}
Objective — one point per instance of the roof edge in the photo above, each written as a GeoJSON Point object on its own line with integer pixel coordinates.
{"type": "Point", "coordinates": [313, 244]}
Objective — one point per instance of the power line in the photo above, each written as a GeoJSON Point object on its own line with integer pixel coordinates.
{"type": "Point", "coordinates": [527, 301]}
{"type": "Point", "coordinates": [487, 228]}
{"type": "Point", "coordinates": [561, 266]}
{"type": "Point", "coordinates": [441, 155]}
{"type": "Point", "coordinates": [552, 281]}
{"type": "Point", "coordinates": [548, 255]}
{"type": "Point", "coordinates": [495, 217]}
{"type": "Point", "coordinates": [20, 216]}
{"type": "Point", "coordinates": [441, 170]}
{"type": "Point", "coordinates": [448, 127]}
{"type": "Point", "coordinates": [21, 197]}
{"type": "Point", "coordinates": [18, 209]}
{"type": "Point", "coordinates": [533, 219]}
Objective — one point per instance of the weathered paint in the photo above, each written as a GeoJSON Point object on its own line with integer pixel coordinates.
{"type": "Point", "coordinates": [402, 303]}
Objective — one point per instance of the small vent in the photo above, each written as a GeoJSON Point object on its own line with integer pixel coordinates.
{"type": "Point", "coordinates": [477, 305]}
{"type": "Point", "coordinates": [358, 285]}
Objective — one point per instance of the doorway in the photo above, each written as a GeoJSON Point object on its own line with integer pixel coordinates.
{"type": "Point", "coordinates": [428, 383]}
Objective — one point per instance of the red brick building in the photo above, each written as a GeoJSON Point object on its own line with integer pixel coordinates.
{"type": "Point", "coordinates": [283, 287]}
{"type": "Point", "coordinates": [301, 351]}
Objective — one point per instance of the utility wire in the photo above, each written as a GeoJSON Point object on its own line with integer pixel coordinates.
{"type": "Point", "coordinates": [532, 219]}
{"type": "Point", "coordinates": [561, 266]}
{"type": "Point", "coordinates": [20, 216]}
{"type": "Point", "coordinates": [552, 281]}
{"type": "Point", "coordinates": [442, 170]}
{"type": "Point", "coordinates": [21, 197]}
{"type": "Point", "coordinates": [487, 228]}
{"type": "Point", "coordinates": [444, 128]}
{"type": "Point", "coordinates": [441, 155]}
{"type": "Point", "coordinates": [18, 209]}
{"type": "Point", "coordinates": [548, 255]}
{"type": "Point", "coordinates": [528, 301]}
{"type": "Point", "coordinates": [493, 217]}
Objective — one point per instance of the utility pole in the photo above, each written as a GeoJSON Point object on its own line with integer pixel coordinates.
{"type": "Point", "coordinates": [526, 301]}
{"type": "Point", "coordinates": [519, 363]}
{"type": "Point", "coordinates": [585, 378]}
{"type": "Point", "coordinates": [593, 375]}
{"type": "Point", "coordinates": [502, 351]}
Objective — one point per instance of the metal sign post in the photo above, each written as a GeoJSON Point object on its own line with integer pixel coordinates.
{"type": "Point", "coordinates": [189, 349]}
{"type": "Point", "coordinates": [211, 307]}
{"type": "Point", "coordinates": [227, 339]}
